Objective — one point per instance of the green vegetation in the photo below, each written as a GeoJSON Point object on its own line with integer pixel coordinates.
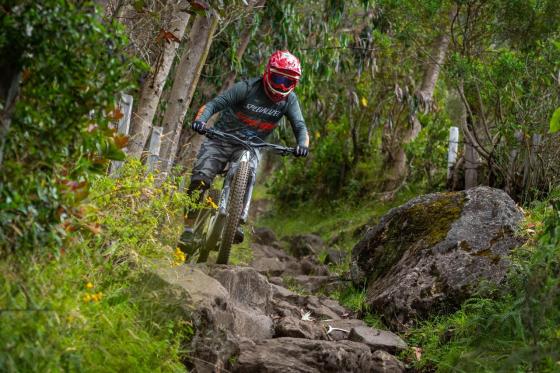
{"type": "Point", "coordinates": [62, 127]}
{"type": "Point", "coordinates": [340, 218]}
{"type": "Point", "coordinates": [78, 308]}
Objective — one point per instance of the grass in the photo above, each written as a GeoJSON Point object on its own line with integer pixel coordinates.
{"type": "Point", "coordinates": [342, 221]}
{"type": "Point", "coordinates": [75, 307]}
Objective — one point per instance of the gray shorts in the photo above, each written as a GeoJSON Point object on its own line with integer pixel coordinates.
{"type": "Point", "coordinates": [213, 157]}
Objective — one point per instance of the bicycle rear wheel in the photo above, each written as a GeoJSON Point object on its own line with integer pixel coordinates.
{"type": "Point", "coordinates": [234, 210]}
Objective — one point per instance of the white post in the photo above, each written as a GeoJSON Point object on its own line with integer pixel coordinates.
{"type": "Point", "coordinates": [125, 106]}
{"type": "Point", "coordinates": [453, 146]}
{"type": "Point", "coordinates": [155, 145]}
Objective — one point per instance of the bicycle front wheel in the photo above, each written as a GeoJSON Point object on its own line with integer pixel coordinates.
{"type": "Point", "coordinates": [234, 210]}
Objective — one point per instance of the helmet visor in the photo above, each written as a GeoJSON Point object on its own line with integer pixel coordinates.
{"type": "Point", "coordinates": [282, 82]}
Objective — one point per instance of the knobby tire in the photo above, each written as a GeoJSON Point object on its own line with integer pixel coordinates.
{"type": "Point", "coordinates": [234, 210]}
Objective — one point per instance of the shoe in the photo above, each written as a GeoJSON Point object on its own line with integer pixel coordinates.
{"type": "Point", "coordinates": [239, 236]}
{"type": "Point", "coordinates": [186, 239]}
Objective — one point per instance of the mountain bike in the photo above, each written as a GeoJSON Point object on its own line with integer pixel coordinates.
{"type": "Point", "coordinates": [216, 224]}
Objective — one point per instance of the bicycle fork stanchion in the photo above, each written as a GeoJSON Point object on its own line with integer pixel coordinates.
{"type": "Point", "coordinates": [248, 194]}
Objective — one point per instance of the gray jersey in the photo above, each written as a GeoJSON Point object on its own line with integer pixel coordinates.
{"type": "Point", "coordinates": [247, 111]}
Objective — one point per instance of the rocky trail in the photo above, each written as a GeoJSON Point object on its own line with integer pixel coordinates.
{"type": "Point", "coordinates": [248, 321]}
{"type": "Point", "coordinates": [423, 258]}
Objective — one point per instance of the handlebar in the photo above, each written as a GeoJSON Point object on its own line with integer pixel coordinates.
{"type": "Point", "coordinates": [250, 145]}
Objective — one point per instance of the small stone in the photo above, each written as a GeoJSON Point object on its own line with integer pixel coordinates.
{"type": "Point", "coordinates": [377, 339]}
{"type": "Point", "coordinates": [345, 324]}
{"type": "Point", "coordinates": [306, 244]}
{"type": "Point", "coordinates": [296, 327]}
{"type": "Point", "coordinates": [264, 236]}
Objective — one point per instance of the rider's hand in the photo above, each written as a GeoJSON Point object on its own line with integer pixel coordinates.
{"type": "Point", "coordinates": [301, 151]}
{"type": "Point", "coordinates": [199, 126]}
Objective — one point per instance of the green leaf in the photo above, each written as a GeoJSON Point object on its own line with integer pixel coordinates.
{"type": "Point", "coordinates": [555, 121]}
{"type": "Point", "coordinates": [138, 5]}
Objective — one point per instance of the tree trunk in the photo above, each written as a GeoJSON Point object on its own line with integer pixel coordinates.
{"type": "Point", "coordinates": [153, 86]}
{"type": "Point", "coordinates": [407, 129]}
{"type": "Point", "coordinates": [471, 166]}
{"type": "Point", "coordinates": [243, 43]}
{"type": "Point", "coordinates": [184, 85]}
{"type": "Point", "coordinates": [9, 92]}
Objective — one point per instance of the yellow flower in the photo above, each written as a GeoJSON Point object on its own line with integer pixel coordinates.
{"type": "Point", "coordinates": [179, 257]}
{"type": "Point", "coordinates": [211, 202]}
{"type": "Point", "coordinates": [97, 297]}
{"type": "Point", "coordinates": [89, 285]}
{"type": "Point", "coordinates": [86, 298]}
{"type": "Point", "coordinates": [364, 102]}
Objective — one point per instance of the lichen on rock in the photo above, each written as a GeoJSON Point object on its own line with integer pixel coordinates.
{"type": "Point", "coordinates": [413, 227]}
{"type": "Point", "coordinates": [430, 254]}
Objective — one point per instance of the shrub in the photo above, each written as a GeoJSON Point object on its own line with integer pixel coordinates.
{"type": "Point", "coordinates": [62, 127]}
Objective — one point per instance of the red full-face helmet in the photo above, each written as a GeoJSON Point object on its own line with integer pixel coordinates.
{"type": "Point", "coordinates": [281, 75]}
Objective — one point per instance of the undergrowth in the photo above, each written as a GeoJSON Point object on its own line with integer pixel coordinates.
{"type": "Point", "coordinates": [75, 310]}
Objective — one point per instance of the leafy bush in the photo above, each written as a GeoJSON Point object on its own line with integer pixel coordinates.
{"type": "Point", "coordinates": [62, 126]}
{"type": "Point", "coordinates": [82, 311]}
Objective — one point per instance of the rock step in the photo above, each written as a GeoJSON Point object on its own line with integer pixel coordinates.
{"type": "Point", "coordinates": [287, 355]}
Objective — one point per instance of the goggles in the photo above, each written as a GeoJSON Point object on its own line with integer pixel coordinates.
{"type": "Point", "coordinates": [282, 82]}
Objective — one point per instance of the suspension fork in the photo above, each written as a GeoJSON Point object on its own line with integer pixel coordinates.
{"type": "Point", "coordinates": [248, 194]}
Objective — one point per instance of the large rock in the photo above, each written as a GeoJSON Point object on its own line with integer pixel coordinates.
{"type": "Point", "coordinates": [291, 355]}
{"type": "Point", "coordinates": [429, 255]}
{"type": "Point", "coordinates": [232, 306]}
{"type": "Point", "coordinates": [250, 295]}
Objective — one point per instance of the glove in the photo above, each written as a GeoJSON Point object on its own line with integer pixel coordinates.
{"type": "Point", "coordinates": [199, 126]}
{"type": "Point", "coordinates": [301, 151]}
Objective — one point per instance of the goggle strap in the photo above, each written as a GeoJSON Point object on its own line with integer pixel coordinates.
{"type": "Point", "coordinates": [273, 70]}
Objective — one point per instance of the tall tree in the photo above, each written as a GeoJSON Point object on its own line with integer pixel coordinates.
{"type": "Point", "coordinates": [169, 40]}
{"type": "Point", "coordinates": [404, 125]}
{"type": "Point", "coordinates": [184, 85]}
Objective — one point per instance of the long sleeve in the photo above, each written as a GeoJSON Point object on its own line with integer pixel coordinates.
{"type": "Point", "coordinates": [228, 98]}
{"type": "Point", "coordinates": [296, 120]}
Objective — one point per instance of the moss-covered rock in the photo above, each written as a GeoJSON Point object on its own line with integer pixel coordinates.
{"type": "Point", "coordinates": [430, 254]}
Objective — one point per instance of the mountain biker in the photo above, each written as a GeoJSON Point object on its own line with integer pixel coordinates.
{"type": "Point", "coordinates": [250, 108]}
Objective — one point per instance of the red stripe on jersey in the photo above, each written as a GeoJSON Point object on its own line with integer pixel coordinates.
{"type": "Point", "coordinates": [256, 123]}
